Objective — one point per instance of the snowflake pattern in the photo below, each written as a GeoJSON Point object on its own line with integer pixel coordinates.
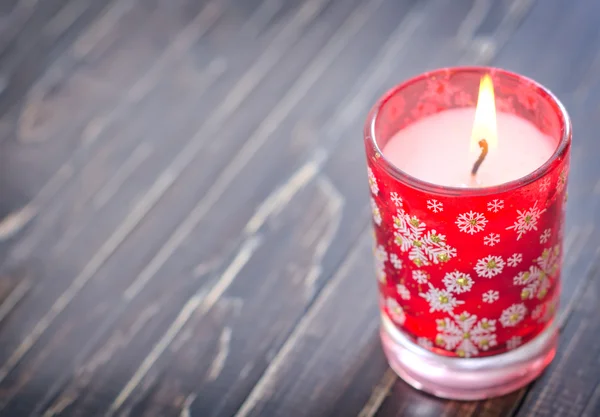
{"type": "Point", "coordinates": [440, 300]}
{"type": "Point", "coordinates": [376, 212]}
{"type": "Point", "coordinates": [545, 184]}
{"type": "Point", "coordinates": [545, 237]}
{"type": "Point", "coordinates": [515, 259]}
{"type": "Point", "coordinates": [435, 206]}
{"type": "Point", "coordinates": [440, 89]}
{"type": "Point", "coordinates": [526, 98]}
{"type": "Point", "coordinates": [423, 247]}
{"type": "Point", "coordinates": [514, 342]}
{"type": "Point", "coordinates": [395, 311]}
{"type": "Point", "coordinates": [471, 222]}
{"type": "Point", "coordinates": [420, 276]}
{"type": "Point", "coordinates": [490, 266]}
{"type": "Point", "coordinates": [403, 292]}
{"type": "Point", "coordinates": [537, 312]}
{"type": "Point", "coordinates": [527, 220]}
{"type": "Point", "coordinates": [513, 315]}
{"type": "Point", "coordinates": [423, 109]}
{"type": "Point", "coordinates": [396, 199]}
{"type": "Point", "coordinates": [463, 99]}
{"type": "Point", "coordinates": [457, 282]}
{"type": "Point", "coordinates": [452, 281]}
{"type": "Point", "coordinates": [380, 257]}
{"type": "Point", "coordinates": [490, 296]}
{"type": "Point", "coordinates": [537, 278]}
{"type": "Point", "coordinates": [562, 181]}
{"type": "Point", "coordinates": [396, 262]}
{"type": "Point", "coordinates": [465, 335]}
{"type": "Point", "coordinates": [424, 342]}
{"type": "Point", "coordinates": [492, 239]}
{"type": "Point", "coordinates": [548, 311]}
{"type": "Point", "coordinates": [373, 182]}
{"type": "Point", "coordinates": [495, 205]}
{"type": "Point", "coordinates": [505, 104]}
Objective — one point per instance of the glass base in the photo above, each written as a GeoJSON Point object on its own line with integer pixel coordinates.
{"type": "Point", "coordinates": [467, 379]}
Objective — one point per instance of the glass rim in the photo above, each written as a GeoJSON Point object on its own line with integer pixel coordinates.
{"type": "Point", "coordinates": [399, 174]}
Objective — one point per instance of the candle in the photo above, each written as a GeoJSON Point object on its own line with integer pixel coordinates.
{"type": "Point", "coordinates": [468, 194]}
{"type": "Point", "coordinates": [435, 149]}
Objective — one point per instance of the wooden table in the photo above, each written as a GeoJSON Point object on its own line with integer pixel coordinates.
{"type": "Point", "coordinates": [190, 224]}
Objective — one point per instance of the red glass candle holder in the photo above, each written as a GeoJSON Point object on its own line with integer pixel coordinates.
{"type": "Point", "coordinates": [469, 278]}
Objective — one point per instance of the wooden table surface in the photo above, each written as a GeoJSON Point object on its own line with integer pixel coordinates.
{"type": "Point", "coordinates": [185, 219]}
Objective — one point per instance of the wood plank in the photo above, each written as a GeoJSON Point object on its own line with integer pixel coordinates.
{"type": "Point", "coordinates": [230, 230]}
{"type": "Point", "coordinates": [327, 348]}
{"type": "Point", "coordinates": [50, 29]}
{"type": "Point", "coordinates": [93, 292]}
{"type": "Point", "coordinates": [124, 133]}
{"type": "Point", "coordinates": [287, 252]}
{"type": "Point", "coordinates": [15, 285]}
{"type": "Point", "coordinates": [568, 387]}
{"type": "Point", "coordinates": [203, 230]}
{"type": "Point", "coordinates": [43, 32]}
{"type": "Point", "coordinates": [22, 249]}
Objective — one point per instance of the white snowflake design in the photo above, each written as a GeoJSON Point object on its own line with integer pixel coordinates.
{"type": "Point", "coordinates": [440, 300]}
{"type": "Point", "coordinates": [537, 312]}
{"type": "Point", "coordinates": [537, 278]}
{"type": "Point", "coordinates": [515, 259]}
{"type": "Point", "coordinates": [490, 266]}
{"type": "Point", "coordinates": [435, 206]}
{"type": "Point", "coordinates": [492, 239]}
{"type": "Point", "coordinates": [380, 257]}
{"type": "Point", "coordinates": [420, 276]}
{"type": "Point", "coordinates": [376, 212]}
{"type": "Point", "coordinates": [547, 311]}
{"type": "Point", "coordinates": [395, 311]}
{"type": "Point", "coordinates": [403, 292]}
{"type": "Point", "coordinates": [514, 342]}
{"type": "Point", "coordinates": [562, 181]}
{"type": "Point", "coordinates": [440, 89]}
{"type": "Point", "coordinates": [545, 237]}
{"type": "Point", "coordinates": [397, 200]}
{"type": "Point", "coordinates": [490, 296]}
{"type": "Point", "coordinates": [545, 184]}
{"type": "Point", "coordinates": [373, 182]}
{"type": "Point", "coordinates": [463, 99]}
{"type": "Point", "coordinates": [396, 262]}
{"type": "Point", "coordinates": [495, 205]}
{"type": "Point", "coordinates": [457, 282]}
{"type": "Point", "coordinates": [526, 220]}
{"type": "Point", "coordinates": [423, 247]}
{"type": "Point", "coordinates": [513, 315]}
{"type": "Point", "coordinates": [465, 335]}
{"type": "Point", "coordinates": [471, 222]}
{"type": "Point", "coordinates": [424, 342]}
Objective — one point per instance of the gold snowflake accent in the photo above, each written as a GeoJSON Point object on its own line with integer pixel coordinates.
{"type": "Point", "coordinates": [465, 335]}
{"type": "Point", "coordinates": [423, 246]}
{"type": "Point", "coordinates": [537, 278]}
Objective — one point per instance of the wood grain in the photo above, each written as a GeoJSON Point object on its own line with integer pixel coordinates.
{"type": "Point", "coordinates": [183, 212]}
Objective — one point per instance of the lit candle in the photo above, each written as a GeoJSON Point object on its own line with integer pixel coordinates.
{"type": "Point", "coordinates": [467, 173]}
{"type": "Point", "coordinates": [437, 148]}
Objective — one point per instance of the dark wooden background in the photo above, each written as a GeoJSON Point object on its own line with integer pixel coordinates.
{"type": "Point", "coordinates": [185, 220]}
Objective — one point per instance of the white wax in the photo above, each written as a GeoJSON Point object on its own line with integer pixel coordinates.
{"type": "Point", "coordinates": [437, 149]}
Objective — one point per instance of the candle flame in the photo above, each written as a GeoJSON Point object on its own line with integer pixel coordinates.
{"type": "Point", "coordinates": [484, 126]}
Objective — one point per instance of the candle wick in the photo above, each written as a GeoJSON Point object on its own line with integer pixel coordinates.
{"type": "Point", "coordinates": [484, 151]}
